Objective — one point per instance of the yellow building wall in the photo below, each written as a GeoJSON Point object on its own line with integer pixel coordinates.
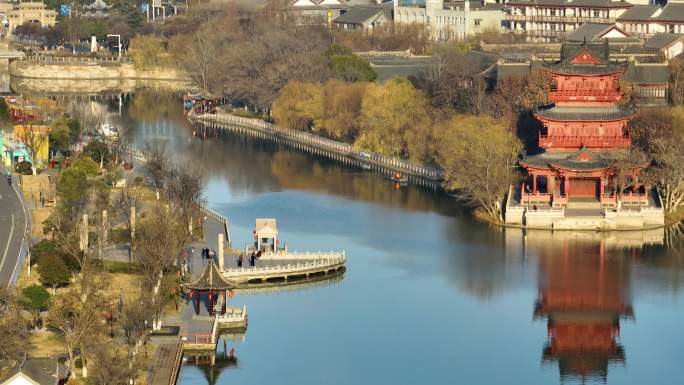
{"type": "Point", "coordinates": [42, 135]}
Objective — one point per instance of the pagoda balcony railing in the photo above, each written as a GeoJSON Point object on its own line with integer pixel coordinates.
{"type": "Point", "coordinates": [586, 141]}
{"type": "Point", "coordinates": [600, 96]}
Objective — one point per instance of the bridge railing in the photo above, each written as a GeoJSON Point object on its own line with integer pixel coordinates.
{"type": "Point", "coordinates": [197, 338]}
{"type": "Point", "coordinates": [303, 255]}
{"type": "Point", "coordinates": [43, 58]}
{"type": "Point", "coordinates": [328, 144]}
{"type": "Point", "coordinates": [302, 266]}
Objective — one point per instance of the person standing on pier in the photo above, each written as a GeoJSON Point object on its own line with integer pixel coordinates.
{"type": "Point", "coordinates": [252, 259]}
{"type": "Point", "coordinates": [239, 260]}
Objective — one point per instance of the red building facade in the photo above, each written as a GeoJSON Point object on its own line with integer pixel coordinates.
{"type": "Point", "coordinates": [584, 144]}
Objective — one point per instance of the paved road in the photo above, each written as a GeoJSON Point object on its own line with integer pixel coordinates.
{"type": "Point", "coordinates": [12, 230]}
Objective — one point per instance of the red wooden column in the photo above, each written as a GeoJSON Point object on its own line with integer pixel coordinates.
{"type": "Point", "coordinates": [211, 303]}
{"type": "Point", "coordinates": [534, 183]}
{"type": "Point", "coordinates": [601, 187]}
{"type": "Point", "coordinates": [223, 308]}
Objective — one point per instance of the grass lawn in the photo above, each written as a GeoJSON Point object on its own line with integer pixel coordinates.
{"type": "Point", "coordinates": [44, 344]}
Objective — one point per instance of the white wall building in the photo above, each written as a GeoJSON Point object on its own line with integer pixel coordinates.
{"type": "Point", "coordinates": [647, 20]}
{"type": "Point", "coordinates": [451, 19]}
{"type": "Point", "coordinates": [555, 18]}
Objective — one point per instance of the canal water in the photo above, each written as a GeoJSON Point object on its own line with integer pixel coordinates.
{"type": "Point", "coordinates": [430, 296]}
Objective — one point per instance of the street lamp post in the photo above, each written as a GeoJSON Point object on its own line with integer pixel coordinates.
{"type": "Point", "coordinates": [119, 46]}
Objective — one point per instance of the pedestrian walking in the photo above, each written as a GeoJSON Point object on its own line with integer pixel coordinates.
{"type": "Point", "coordinates": [239, 260]}
{"type": "Point", "coordinates": [252, 260]}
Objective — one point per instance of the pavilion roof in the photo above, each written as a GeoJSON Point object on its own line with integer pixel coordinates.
{"type": "Point", "coordinates": [211, 279]}
{"type": "Point", "coordinates": [583, 160]}
{"type": "Point", "coordinates": [579, 113]}
{"type": "Point", "coordinates": [585, 58]}
{"type": "Point", "coordinates": [266, 227]}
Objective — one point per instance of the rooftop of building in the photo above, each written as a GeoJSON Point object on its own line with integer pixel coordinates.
{"type": "Point", "coordinates": [330, 4]}
{"type": "Point", "coordinates": [211, 280]}
{"type": "Point", "coordinates": [362, 13]}
{"type": "Point", "coordinates": [647, 73]}
{"type": "Point", "coordinates": [654, 12]}
{"type": "Point", "coordinates": [584, 113]}
{"type": "Point", "coordinates": [592, 31]}
{"type": "Point", "coordinates": [43, 371]}
{"type": "Point", "coordinates": [586, 58]}
{"type": "Point", "coordinates": [584, 160]}
{"type": "Point", "coordinates": [663, 40]}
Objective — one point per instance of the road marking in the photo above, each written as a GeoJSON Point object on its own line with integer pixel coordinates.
{"type": "Point", "coordinates": [9, 240]}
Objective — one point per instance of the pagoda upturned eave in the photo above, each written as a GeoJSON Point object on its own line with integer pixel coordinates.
{"type": "Point", "coordinates": [587, 114]}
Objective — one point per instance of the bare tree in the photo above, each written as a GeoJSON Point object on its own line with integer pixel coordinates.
{"type": "Point", "coordinates": [75, 321]}
{"type": "Point", "coordinates": [135, 316]}
{"type": "Point", "coordinates": [185, 186]}
{"type": "Point", "coordinates": [12, 329]}
{"type": "Point", "coordinates": [156, 163]}
{"type": "Point", "coordinates": [660, 134]}
{"type": "Point", "coordinates": [159, 241]}
{"type": "Point", "coordinates": [200, 57]}
{"type": "Point", "coordinates": [34, 138]}
{"type": "Point", "coordinates": [111, 364]}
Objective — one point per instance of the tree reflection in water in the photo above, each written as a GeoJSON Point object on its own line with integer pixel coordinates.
{"type": "Point", "coordinates": [586, 282]}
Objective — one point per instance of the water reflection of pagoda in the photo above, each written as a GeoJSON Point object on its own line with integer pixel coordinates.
{"type": "Point", "coordinates": [583, 294]}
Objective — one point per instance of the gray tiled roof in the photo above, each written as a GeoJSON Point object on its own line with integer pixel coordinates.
{"type": "Point", "coordinates": [638, 12]}
{"type": "Point", "coordinates": [41, 370]}
{"type": "Point", "coordinates": [581, 160]}
{"type": "Point", "coordinates": [662, 40]}
{"type": "Point", "coordinates": [361, 14]}
{"type": "Point", "coordinates": [670, 12]}
{"type": "Point", "coordinates": [507, 70]}
{"type": "Point", "coordinates": [589, 32]}
{"type": "Point", "coordinates": [211, 279]}
{"type": "Point", "coordinates": [583, 113]}
{"type": "Point", "coordinates": [647, 73]}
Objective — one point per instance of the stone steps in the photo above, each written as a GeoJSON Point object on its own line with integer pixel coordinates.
{"type": "Point", "coordinates": [583, 205]}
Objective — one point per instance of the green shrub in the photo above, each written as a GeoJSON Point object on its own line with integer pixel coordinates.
{"type": "Point", "coordinates": [24, 168]}
{"type": "Point", "coordinates": [86, 165]}
{"type": "Point", "coordinates": [117, 267]}
{"type": "Point", "coordinates": [53, 271]}
{"type": "Point", "coordinates": [120, 235]}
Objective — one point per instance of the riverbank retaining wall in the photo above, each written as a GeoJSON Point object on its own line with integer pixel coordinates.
{"type": "Point", "coordinates": [91, 71]}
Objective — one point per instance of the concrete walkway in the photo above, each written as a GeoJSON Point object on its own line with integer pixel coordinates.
{"type": "Point", "coordinates": [160, 369]}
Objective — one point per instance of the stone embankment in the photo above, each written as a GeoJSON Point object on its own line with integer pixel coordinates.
{"type": "Point", "coordinates": [46, 67]}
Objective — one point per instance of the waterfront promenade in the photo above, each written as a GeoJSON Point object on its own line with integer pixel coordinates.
{"type": "Point", "coordinates": [165, 365]}
{"type": "Point", "coordinates": [13, 229]}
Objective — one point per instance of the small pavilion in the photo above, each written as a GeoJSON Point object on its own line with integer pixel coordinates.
{"type": "Point", "coordinates": [213, 284]}
{"type": "Point", "coordinates": [266, 234]}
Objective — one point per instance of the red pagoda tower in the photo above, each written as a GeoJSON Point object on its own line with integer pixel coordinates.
{"type": "Point", "coordinates": [584, 135]}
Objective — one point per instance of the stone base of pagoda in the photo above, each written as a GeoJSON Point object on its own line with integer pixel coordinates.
{"type": "Point", "coordinates": [547, 211]}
